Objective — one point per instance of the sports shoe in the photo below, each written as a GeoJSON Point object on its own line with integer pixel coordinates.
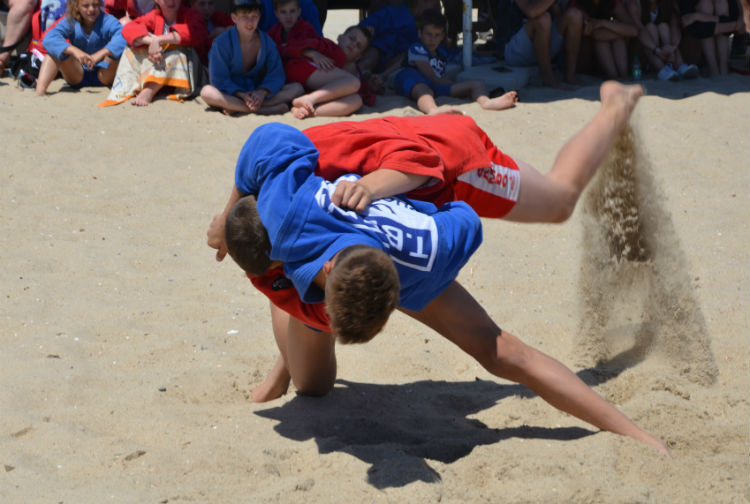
{"type": "Point", "coordinates": [687, 71]}
{"type": "Point", "coordinates": [668, 74]}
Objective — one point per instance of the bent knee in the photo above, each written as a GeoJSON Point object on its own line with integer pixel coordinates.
{"type": "Point", "coordinates": [315, 389]}
{"type": "Point", "coordinates": [541, 23]}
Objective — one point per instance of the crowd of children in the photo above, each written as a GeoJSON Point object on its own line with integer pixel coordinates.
{"type": "Point", "coordinates": [238, 67]}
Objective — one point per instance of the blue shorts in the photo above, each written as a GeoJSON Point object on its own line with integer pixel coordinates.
{"type": "Point", "coordinates": [519, 51]}
{"type": "Point", "coordinates": [90, 79]}
{"type": "Point", "coordinates": [407, 78]}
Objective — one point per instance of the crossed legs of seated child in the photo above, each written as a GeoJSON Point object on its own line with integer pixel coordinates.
{"type": "Point", "coordinates": [334, 93]}
{"type": "Point", "coordinates": [73, 71]}
{"type": "Point", "coordinates": [252, 102]}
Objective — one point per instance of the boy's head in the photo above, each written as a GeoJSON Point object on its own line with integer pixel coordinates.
{"type": "Point", "coordinates": [354, 41]}
{"type": "Point", "coordinates": [247, 238]}
{"type": "Point", "coordinates": [362, 290]}
{"type": "Point", "coordinates": [205, 7]}
{"type": "Point", "coordinates": [246, 14]}
{"type": "Point", "coordinates": [84, 11]}
{"type": "Point", "coordinates": [432, 26]}
{"type": "Point", "coordinates": [288, 12]}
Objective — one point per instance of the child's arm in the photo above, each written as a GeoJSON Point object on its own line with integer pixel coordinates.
{"type": "Point", "coordinates": [215, 233]}
{"type": "Point", "coordinates": [381, 183]}
{"type": "Point", "coordinates": [322, 61]}
{"type": "Point", "coordinates": [426, 70]}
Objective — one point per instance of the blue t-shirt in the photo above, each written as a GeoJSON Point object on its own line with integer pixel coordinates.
{"type": "Point", "coordinates": [428, 245]}
{"type": "Point", "coordinates": [438, 62]}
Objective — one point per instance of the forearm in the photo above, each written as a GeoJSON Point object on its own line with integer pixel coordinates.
{"type": "Point", "coordinates": [386, 182]}
{"type": "Point", "coordinates": [234, 197]}
{"type": "Point", "coordinates": [170, 38]}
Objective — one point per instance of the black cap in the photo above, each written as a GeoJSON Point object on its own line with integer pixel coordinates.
{"type": "Point", "coordinates": [246, 4]}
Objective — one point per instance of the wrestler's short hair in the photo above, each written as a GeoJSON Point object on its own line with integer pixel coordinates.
{"type": "Point", "coordinates": [247, 238]}
{"type": "Point", "coordinates": [361, 292]}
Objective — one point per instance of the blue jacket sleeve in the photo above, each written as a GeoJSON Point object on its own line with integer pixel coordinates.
{"type": "Point", "coordinates": [274, 77]}
{"type": "Point", "coordinates": [55, 41]}
{"type": "Point", "coordinates": [272, 150]}
{"type": "Point", "coordinates": [220, 61]}
{"type": "Point", "coordinates": [112, 31]}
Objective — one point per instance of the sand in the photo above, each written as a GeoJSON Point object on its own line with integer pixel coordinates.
{"type": "Point", "coordinates": [129, 352]}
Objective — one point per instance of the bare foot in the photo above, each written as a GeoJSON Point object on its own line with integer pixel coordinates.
{"type": "Point", "coordinates": [301, 112]}
{"type": "Point", "coordinates": [620, 98]}
{"type": "Point", "coordinates": [303, 102]}
{"type": "Point", "coordinates": [444, 110]}
{"type": "Point", "coordinates": [503, 102]}
{"type": "Point", "coordinates": [275, 385]}
{"type": "Point", "coordinates": [144, 98]}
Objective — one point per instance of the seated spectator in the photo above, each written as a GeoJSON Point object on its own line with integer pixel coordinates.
{"type": "Point", "coordinates": [128, 10]}
{"type": "Point", "coordinates": [245, 68]}
{"type": "Point", "coordinates": [216, 22]}
{"type": "Point", "coordinates": [424, 76]}
{"type": "Point", "coordinates": [536, 31]}
{"type": "Point", "coordinates": [18, 24]}
{"type": "Point", "coordinates": [85, 47]}
{"type": "Point", "coordinates": [309, 13]}
{"type": "Point", "coordinates": [394, 30]}
{"type": "Point", "coordinates": [166, 48]}
{"type": "Point", "coordinates": [660, 35]}
{"type": "Point", "coordinates": [316, 63]}
{"type": "Point", "coordinates": [353, 44]}
{"type": "Point", "coordinates": [711, 22]}
{"type": "Point", "coordinates": [606, 23]}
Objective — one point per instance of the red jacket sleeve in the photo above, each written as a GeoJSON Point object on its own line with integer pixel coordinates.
{"type": "Point", "coordinates": [280, 291]}
{"type": "Point", "coordinates": [189, 26]}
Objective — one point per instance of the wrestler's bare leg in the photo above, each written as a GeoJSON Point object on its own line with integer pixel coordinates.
{"type": "Point", "coordinates": [307, 357]}
{"type": "Point", "coordinates": [552, 197]}
{"type": "Point", "coordinates": [457, 316]}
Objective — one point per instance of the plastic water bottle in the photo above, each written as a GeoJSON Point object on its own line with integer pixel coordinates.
{"type": "Point", "coordinates": [636, 69]}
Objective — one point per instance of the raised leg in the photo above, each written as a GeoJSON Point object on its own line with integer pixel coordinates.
{"type": "Point", "coordinates": [552, 197]}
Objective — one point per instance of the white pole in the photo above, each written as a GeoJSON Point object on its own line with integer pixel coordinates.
{"type": "Point", "coordinates": [468, 42]}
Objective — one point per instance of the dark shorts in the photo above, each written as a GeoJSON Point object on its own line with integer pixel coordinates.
{"type": "Point", "coordinates": [90, 79]}
{"type": "Point", "coordinates": [407, 78]}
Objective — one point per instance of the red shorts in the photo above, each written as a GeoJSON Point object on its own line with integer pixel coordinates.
{"type": "Point", "coordinates": [492, 191]}
{"type": "Point", "coordinates": [299, 70]}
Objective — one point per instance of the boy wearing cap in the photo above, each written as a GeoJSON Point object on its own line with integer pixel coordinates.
{"type": "Point", "coordinates": [245, 68]}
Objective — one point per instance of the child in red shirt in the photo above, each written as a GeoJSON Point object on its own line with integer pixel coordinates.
{"type": "Point", "coordinates": [317, 63]}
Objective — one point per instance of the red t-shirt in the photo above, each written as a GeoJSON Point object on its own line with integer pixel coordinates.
{"type": "Point", "coordinates": [442, 147]}
{"type": "Point", "coordinates": [281, 292]}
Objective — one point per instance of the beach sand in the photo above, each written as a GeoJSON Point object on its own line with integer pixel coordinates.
{"type": "Point", "coordinates": [129, 353]}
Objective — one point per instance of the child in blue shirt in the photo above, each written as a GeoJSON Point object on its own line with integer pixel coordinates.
{"type": "Point", "coordinates": [423, 78]}
{"type": "Point", "coordinates": [245, 68]}
{"type": "Point", "coordinates": [85, 47]}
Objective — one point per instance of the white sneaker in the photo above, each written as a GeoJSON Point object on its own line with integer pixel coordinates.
{"type": "Point", "coordinates": [668, 74]}
{"type": "Point", "coordinates": [687, 71]}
